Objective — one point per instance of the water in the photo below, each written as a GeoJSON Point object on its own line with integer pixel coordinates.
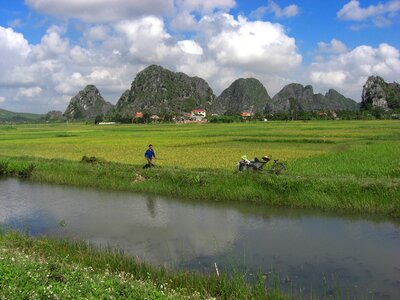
{"type": "Point", "coordinates": [313, 253]}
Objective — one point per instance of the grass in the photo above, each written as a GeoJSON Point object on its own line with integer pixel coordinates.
{"type": "Point", "coordinates": [348, 166]}
{"type": "Point", "coordinates": [57, 269]}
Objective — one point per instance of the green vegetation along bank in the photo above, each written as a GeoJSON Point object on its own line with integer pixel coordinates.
{"type": "Point", "coordinates": [43, 268]}
{"type": "Point", "coordinates": [348, 166]}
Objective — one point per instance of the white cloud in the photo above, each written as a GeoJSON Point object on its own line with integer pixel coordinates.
{"type": "Point", "coordinates": [348, 71]}
{"type": "Point", "coordinates": [381, 14]}
{"type": "Point", "coordinates": [334, 46]}
{"type": "Point", "coordinates": [15, 23]}
{"type": "Point", "coordinates": [289, 11]}
{"type": "Point", "coordinates": [14, 49]}
{"type": "Point", "coordinates": [102, 10]}
{"type": "Point", "coordinates": [190, 47]}
{"type": "Point", "coordinates": [184, 21]}
{"type": "Point", "coordinates": [52, 44]}
{"type": "Point", "coordinates": [29, 92]}
{"type": "Point", "coordinates": [258, 46]}
{"type": "Point", "coordinates": [111, 55]}
{"type": "Point", "coordinates": [96, 33]}
{"type": "Point", "coordinates": [2, 99]}
{"type": "Point", "coordinates": [148, 41]}
{"type": "Point", "coordinates": [206, 6]}
{"type": "Point", "coordinates": [335, 78]}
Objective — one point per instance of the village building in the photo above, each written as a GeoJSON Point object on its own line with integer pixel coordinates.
{"type": "Point", "coordinates": [197, 115]}
{"type": "Point", "coordinates": [246, 114]}
{"type": "Point", "coordinates": [138, 115]}
{"type": "Point", "coordinates": [155, 118]}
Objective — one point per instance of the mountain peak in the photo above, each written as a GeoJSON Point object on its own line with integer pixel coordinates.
{"type": "Point", "coordinates": [87, 104]}
{"type": "Point", "coordinates": [377, 93]}
{"type": "Point", "coordinates": [157, 90]}
{"type": "Point", "coordinates": [244, 94]}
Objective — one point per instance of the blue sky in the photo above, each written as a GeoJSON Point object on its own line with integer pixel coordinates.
{"type": "Point", "coordinates": [49, 50]}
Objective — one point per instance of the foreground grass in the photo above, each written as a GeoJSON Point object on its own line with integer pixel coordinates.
{"type": "Point", "coordinates": [349, 194]}
{"type": "Point", "coordinates": [42, 268]}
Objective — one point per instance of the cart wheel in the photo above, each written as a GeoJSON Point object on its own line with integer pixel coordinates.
{"type": "Point", "coordinates": [278, 168]}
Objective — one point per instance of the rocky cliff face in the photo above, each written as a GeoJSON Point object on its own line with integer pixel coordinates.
{"type": "Point", "coordinates": [379, 94]}
{"type": "Point", "coordinates": [243, 95]}
{"type": "Point", "coordinates": [302, 98]}
{"type": "Point", "coordinates": [54, 115]}
{"type": "Point", "coordinates": [87, 104]}
{"type": "Point", "coordinates": [159, 90]}
{"type": "Point", "coordinates": [339, 102]}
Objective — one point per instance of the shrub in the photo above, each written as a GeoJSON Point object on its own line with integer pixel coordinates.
{"type": "Point", "coordinates": [4, 168]}
{"type": "Point", "coordinates": [26, 171]}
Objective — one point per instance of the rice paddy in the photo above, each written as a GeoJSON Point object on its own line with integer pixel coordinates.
{"type": "Point", "coordinates": [335, 165]}
{"type": "Point", "coordinates": [218, 146]}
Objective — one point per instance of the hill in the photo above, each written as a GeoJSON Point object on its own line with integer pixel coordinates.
{"type": "Point", "coordinates": [243, 95]}
{"type": "Point", "coordinates": [377, 93]}
{"type": "Point", "coordinates": [295, 96]}
{"type": "Point", "coordinates": [9, 116]}
{"type": "Point", "coordinates": [87, 104]}
{"type": "Point", "coordinates": [158, 90]}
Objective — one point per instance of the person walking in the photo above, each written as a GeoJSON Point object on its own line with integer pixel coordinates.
{"type": "Point", "coordinates": [149, 155]}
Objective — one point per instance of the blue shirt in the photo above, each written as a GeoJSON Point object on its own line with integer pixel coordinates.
{"type": "Point", "coordinates": [149, 153]}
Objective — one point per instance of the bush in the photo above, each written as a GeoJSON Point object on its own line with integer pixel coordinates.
{"type": "Point", "coordinates": [4, 171]}
{"type": "Point", "coordinates": [26, 171]}
{"type": "Point", "coordinates": [91, 159]}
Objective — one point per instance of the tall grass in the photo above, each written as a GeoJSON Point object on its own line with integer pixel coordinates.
{"type": "Point", "coordinates": [348, 194]}
{"type": "Point", "coordinates": [42, 268]}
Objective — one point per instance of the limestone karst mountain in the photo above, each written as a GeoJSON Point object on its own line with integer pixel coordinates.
{"type": "Point", "coordinates": [87, 104]}
{"type": "Point", "coordinates": [302, 98]}
{"type": "Point", "coordinates": [377, 93]}
{"type": "Point", "coordinates": [159, 90]}
{"type": "Point", "coordinates": [243, 95]}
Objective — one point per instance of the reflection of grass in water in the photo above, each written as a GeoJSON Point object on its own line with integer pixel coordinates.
{"type": "Point", "coordinates": [45, 267]}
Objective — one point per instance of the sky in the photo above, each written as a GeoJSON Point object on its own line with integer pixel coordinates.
{"type": "Point", "coordinates": [51, 49]}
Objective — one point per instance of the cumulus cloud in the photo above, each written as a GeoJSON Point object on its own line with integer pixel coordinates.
{"type": "Point", "coordinates": [205, 6]}
{"type": "Point", "coordinates": [222, 49]}
{"type": "Point", "coordinates": [29, 92]}
{"type": "Point", "coordinates": [334, 46]}
{"type": "Point", "coordinates": [52, 44]}
{"type": "Point", "coordinates": [14, 49]}
{"type": "Point", "coordinates": [348, 71]}
{"type": "Point", "coordinates": [381, 14]}
{"type": "Point", "coordinates": [102, 10]}
{"type": "Point", "coordinates": [190, 47]}
{"type": "Point", "coordinates": [184, 21]}
{"type": "Point", "coordinates": [258, 46]}
{"type": "Point", "coordinates": [148, 41]}
{"type": "Point", "coordinates": [272, 7]}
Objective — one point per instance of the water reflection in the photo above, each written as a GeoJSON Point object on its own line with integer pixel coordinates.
{"type": "Point", "coordinates": [311, 250]}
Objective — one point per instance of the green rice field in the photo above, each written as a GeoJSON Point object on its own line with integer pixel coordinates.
{"type": "Point", "coordinates": [333, 165]}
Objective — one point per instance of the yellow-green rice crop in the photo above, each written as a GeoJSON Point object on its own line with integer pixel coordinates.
{"type": "Point", "coordinates": [306, 147]}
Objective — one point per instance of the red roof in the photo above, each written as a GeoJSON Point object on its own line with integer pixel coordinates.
{"type": "Point", "coordinates": [139, 115]}
{"type": "Point", "coordinates": [245, 114]}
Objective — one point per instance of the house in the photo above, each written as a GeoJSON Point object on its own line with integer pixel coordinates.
{"type": "Point", "coordinates": [246, 114]}
{"type": "Point", "coordinates": [138, 115]}
{"type": "Point", "coordinates": [197, 115]}
{"type": "Point", "coordinates": [198, 112]}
